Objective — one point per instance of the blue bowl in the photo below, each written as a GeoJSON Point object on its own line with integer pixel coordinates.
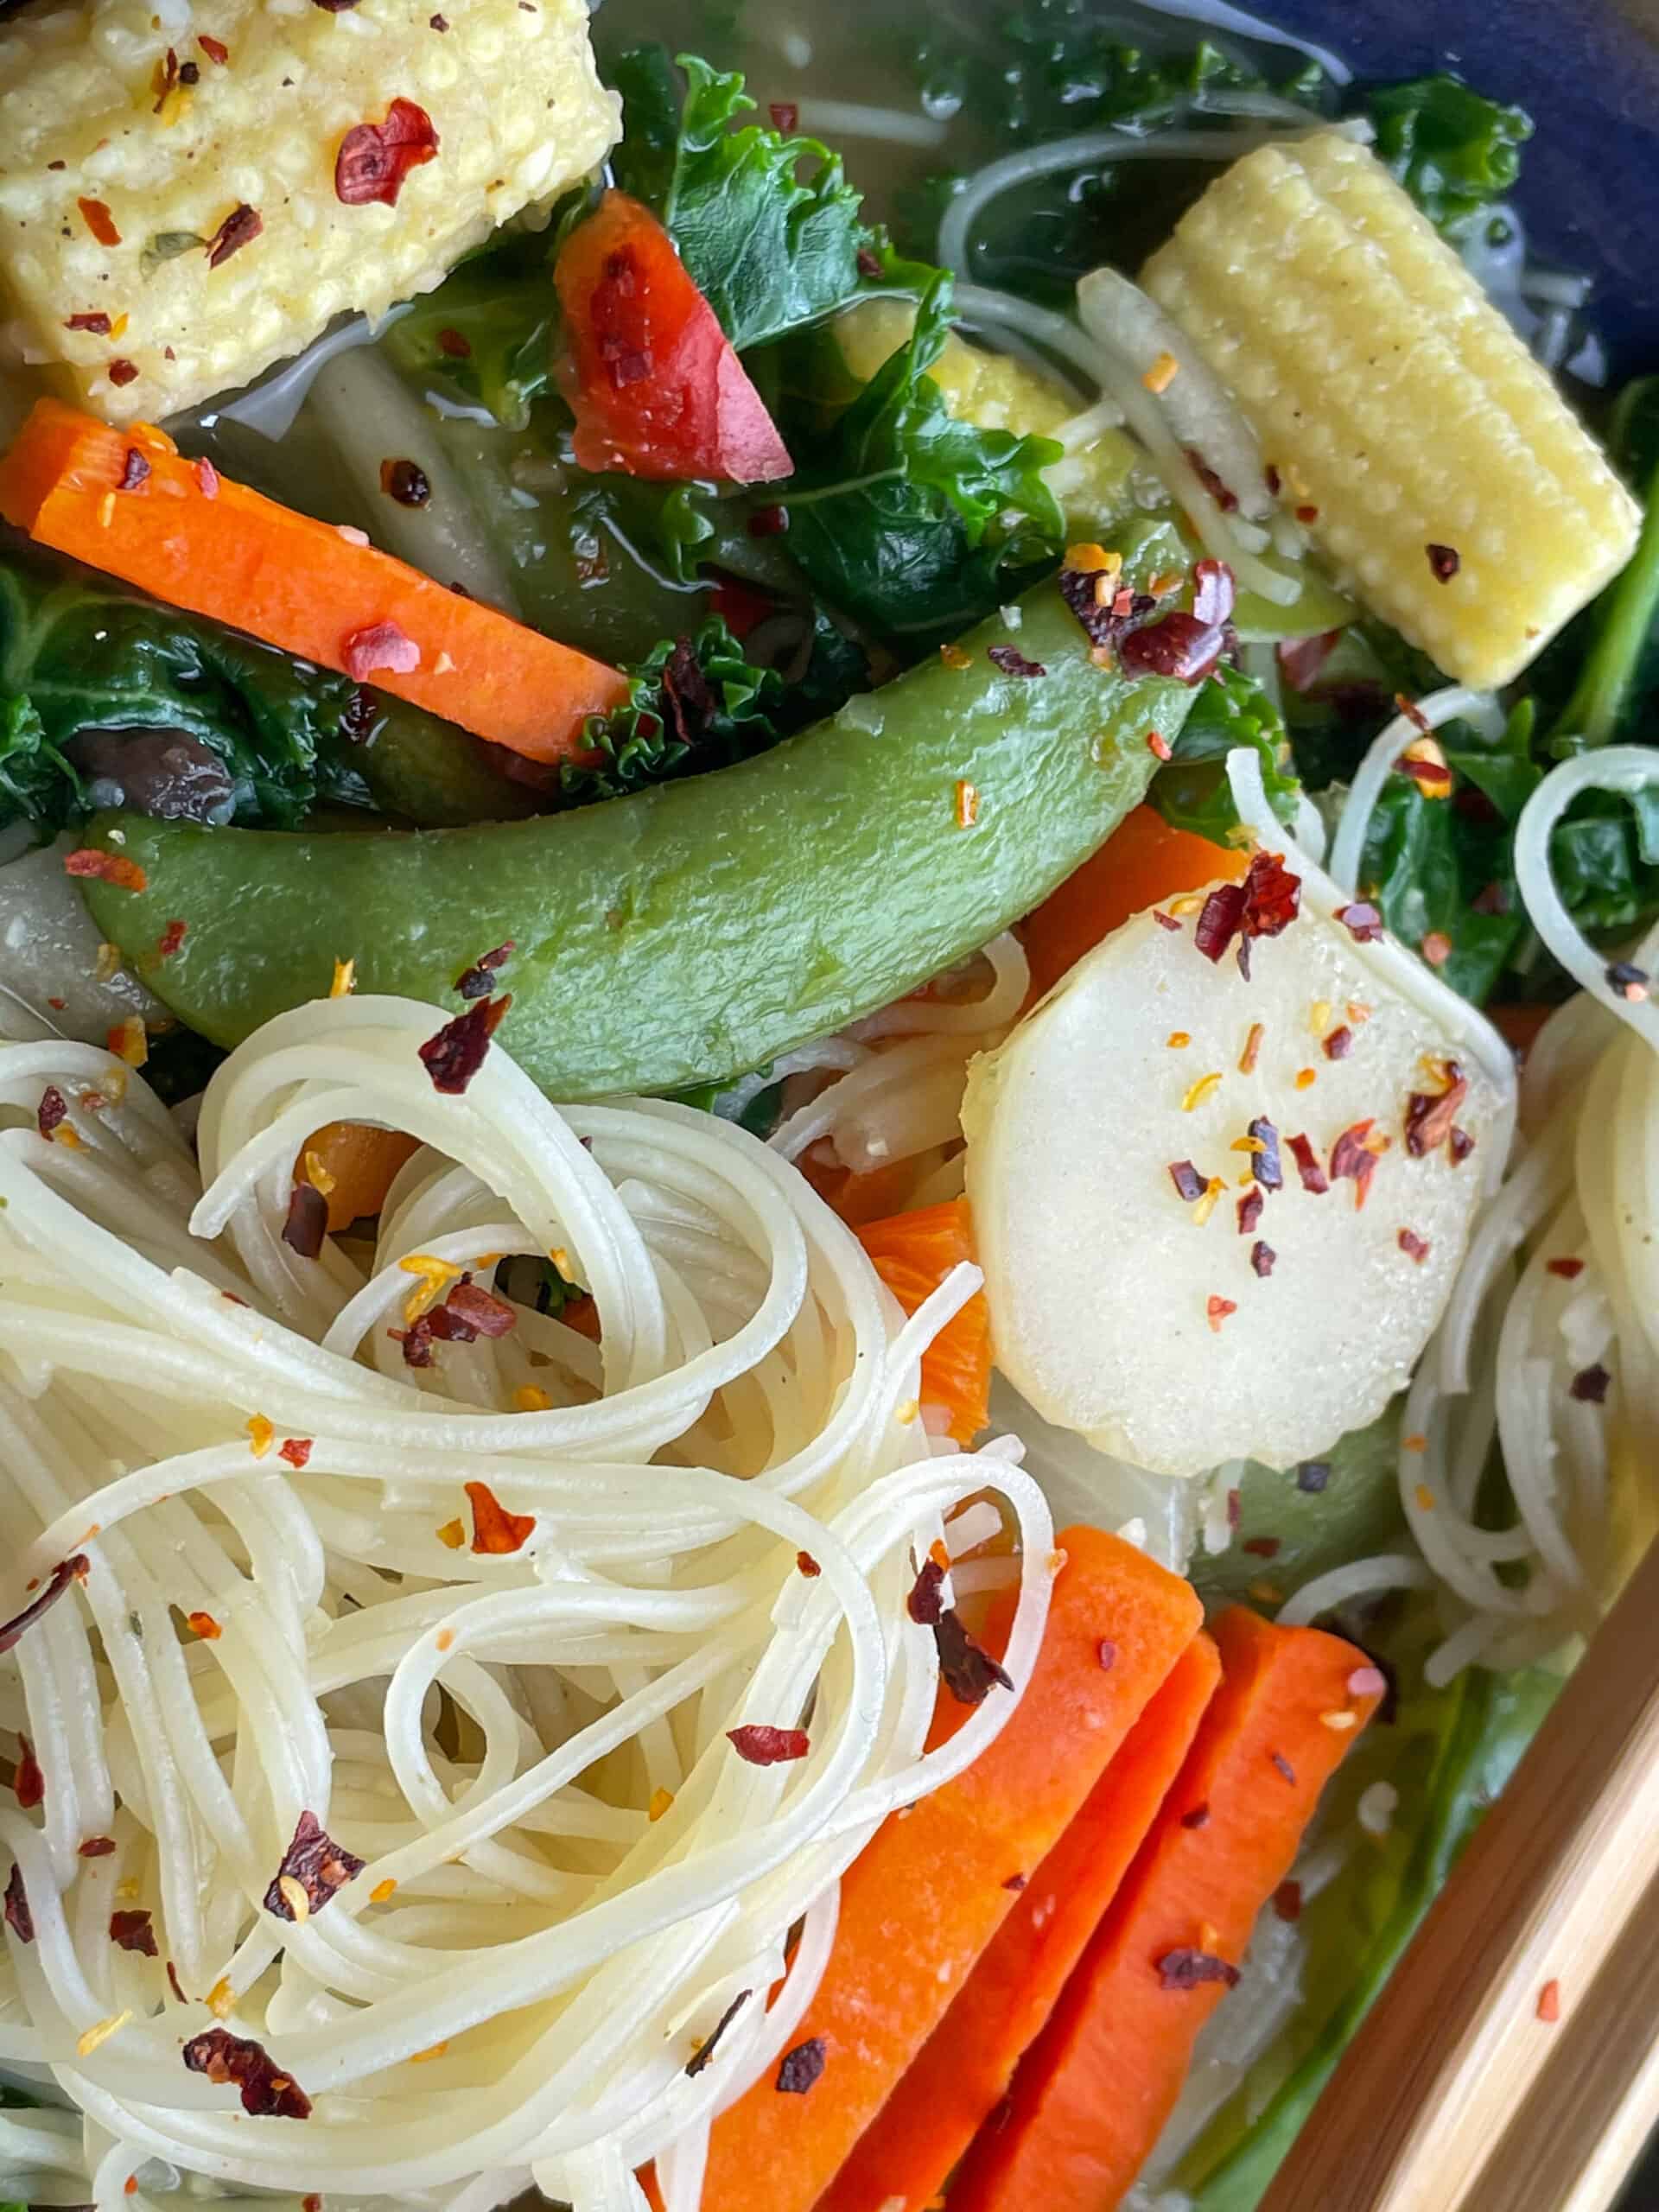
{"type": "Point", "coordinates": [1589, 77]}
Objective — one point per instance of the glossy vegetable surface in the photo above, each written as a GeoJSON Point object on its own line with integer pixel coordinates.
{"type": "Point", "coordinates": [695, 931]}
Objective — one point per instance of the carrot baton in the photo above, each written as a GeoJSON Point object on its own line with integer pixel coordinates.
{"type": "Point", "coordinates": [963, 2072]}
{"type": "Point", "coordinates": [933, 1886]}
{"type": "Point", "coordinates": [1091, 2096]}
{"type": "Point", "coordinates": [127, 502]}
{"type": "Point", "coordinates": [913, 1253]}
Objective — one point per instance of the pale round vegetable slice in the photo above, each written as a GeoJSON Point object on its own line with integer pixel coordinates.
{"type": "Point", "coordinates": [1236, 1321]}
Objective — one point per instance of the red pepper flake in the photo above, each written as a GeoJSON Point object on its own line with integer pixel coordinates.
{"type": "Point", "coordinates": [495, 1529]}
{"type": "Point", "coordinates": [1158, 745]}
{"type": "Point", "coordinates": [19, 1919]}
{"type": "Point", "coordinates": [1165, 921]}
{"type": "Point", "coordinates": [1339, 1043]}
{"type": "Point", "coordinates": [1235, 1508]}
{"type": "Point", "coordinates": [96, 324]}
{"type": "Point", "coordinates": [1313, 1476]}
{"type": "Point", "coordinates": [1414, 1246]}
{"type": "Point", "coordinates": [769, 521]}
{"type": "Point", "coordinates": [334, 7]}
{"type": "Point", "coordinates": [266, 2091]}
{"type": "Point", "coordinates": [100, 221]}
{"type": "Point", "coordinates": [1590, 1385]}
{"type": "Point", "coordinates": [207, 479]}
{"type": "Point", "coordinates": [1224, 497]}
{"type": "Point", "coordinates": [1492, 898]}
{"type": "Point", "coordinates": [178, 1990]}
{"type": "Point", "coordinates": [705, 2051]}
{"type": "Point", "coordinates": [131, 1931]}
{"type": "Point", "coordinates": [1263, 1259]}
{"type": "Point", "coordinates": [967, 1670]}
{"type": "Point", "coordinates": [379, 646]}
{"type": "Point", "coordinates": [1362, 920]}
{"type": "Point", "coordinates": [1187, 1968]}
{"type": "Point", "coordinates": [1568, 1270]}
{"type": "Point", "coordinates": [1460, 1144]}
{"type": "Point", "coordinates": [1445, 561]}
{"type": "Point", "coordinates": [1197, 1818]}
{"type": "Point", "coordinates": [1626, 980]}
{"type": "Point", "coordinates": [785, 117]}
{"type": "Point", "coordinates": [29, 1783]}
{"type": "Point", "coordinates": [1214, 592]}
{"type": "Point", "coordinates": [1262, 1547]}
{"type": "Point", "coordinates": [1220, 921]}
{"type": "Point", "coordinates": [485, 1313]}
{"type": "Point", "coordinates": [1307, 513]}
{"type": "Point", "coordinates": [454, 344]}
{"type": "Point", "coordinates": [108, 868]}
{"type": "Point", "coordinates": [798, 2069]}
{"type": "Point", "coordinates": [1265, 1164]}
{"type": "Point", "coordinates": [808, 1565]}
{"type": "Point", "coordinates": [296, 1450]}
{"type": "Point", "coordinates": [477, 982]}
{"type": "Point", "coordinates": [455, 1056]}
{"type": "Point", "coordinates": [1177, 646]}
{"type": "Point", "coordinates": [171, 939]}
{"type": "Point", "coordinates": [438, 22]}
{"type": "Point", "coordinates": [1368, 1681]}
{"type": "Point", "coordinates": [924, 1605]}
{"type": "Point", "coordinates": [1429, 1114]}
{"type": "Point", "coordinates": [761, 1745]}
{"type": "Point", "coordinates": [205, 1626]}
{"type": "Point", "coordinates": [1302, 659]}
{"type": "Point", "coordinates": [1250, 1208]}
{"type": "Point", "coordinates": [1106, 1652]}
{"type": "Point", "coordinates": [239, 228]}
{"type": "Point", "coordinates": [1549, 2003]}
{"type": "Point", "coordinates": [215, 50]}
{"type": "Point", "coordinates": [1015, 1882]}
{"type": "Point", "coordinates": [1013, 662]}
{"type": "Point", "coordinates": [1436, 948]}
{"type": "Point", "coordinates": [407, 482]}
{"type": "Point", "coordinates": [96, 1847]}
{"type": "Point", "coordinates": [1352, 1157]}
{"type": "Point", "coordinates": [1189, 1184]}
{"type": "Point", "coordinates": [308, 1220]}
{"type": "Point", "coordinates": [1427, 766]}
{"type": "Point", "coordinates": [317, 1863]}
{"type": "Point", "coordinates": [48, 1115]}
{"type": "Point", "coordinates": [123, 371]}
{"type": "Point", "coordinates": [1282, 1766]}
{"type": "Point", "coordinates": [374, 158]}
{"type": "Point", "coordinates": [1287, 1901]}
{"type": "Point", "coordinates": [65, 1572]}
{"type": "Point", "coordinates": [1216, 1311]}
{"type": "Point", "coordinates": [416, 1341]}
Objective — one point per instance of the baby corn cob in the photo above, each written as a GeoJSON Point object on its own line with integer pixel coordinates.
{"type": "Point", "coordinates": [175, 211]}
{"type": "Point", "coordinates": [1431, 459]}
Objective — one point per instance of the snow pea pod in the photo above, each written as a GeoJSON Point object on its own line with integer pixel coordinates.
{"type": "Point", "coordinates": [695, 931]}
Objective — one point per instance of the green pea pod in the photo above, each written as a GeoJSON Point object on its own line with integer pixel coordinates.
{"type": "Point", "coordinates": [699, 929]}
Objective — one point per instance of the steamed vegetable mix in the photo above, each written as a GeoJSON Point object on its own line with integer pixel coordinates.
{"type": "Point", "coordinates": [981, 778]}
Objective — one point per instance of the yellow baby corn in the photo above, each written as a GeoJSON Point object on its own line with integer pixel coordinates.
{"type": "Point", "coordinates": [1429, 455]}
{"type": "Point", "coordinates": [169, 220]}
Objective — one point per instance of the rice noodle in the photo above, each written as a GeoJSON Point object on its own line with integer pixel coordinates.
{"type": "Point", "coordinates": [1452, 702]}
{"type": "Point", "coordinates": [530, 1745]}
{"type": "Point", "coordinates": [832, 119]}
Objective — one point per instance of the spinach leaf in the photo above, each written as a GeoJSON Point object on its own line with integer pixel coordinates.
{"type": "Point", "coordinates": [1456, 152]}
{"type": "Point", "coordinates": [912, 521]}
{"type": "Point", "coordinates": [487, 332]}
{"type": "Point", "coordinates": [1192, 792]}
{"type": "Point", "coordinates": [695, 703]}
{"type": "Point", "coordinates": [765, 220]}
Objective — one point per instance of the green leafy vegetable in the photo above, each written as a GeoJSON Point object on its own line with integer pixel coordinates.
{"type": "Point", "coordinates": [695, 703]}
{"type": "Point", "coordinates": [1192, 792]}
{"type": "Point", "coordinates": [487, 332]}
{"type": "Point", "coordinates": [913, 522]}
{"type": "Point", "coordinates": [1456, 152]}
{"type": "Point", "coordinates": [1619, 677]}
{"type": "Point", "coordinates": [1354, 1510]}
{"type": "Point", "coordinates": [766, 221]}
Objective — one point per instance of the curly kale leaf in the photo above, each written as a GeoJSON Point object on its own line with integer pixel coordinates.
{"type": "Point", "coordinates": [695, 703]}
{"type": "Point", "coordinates": [1192, 792]}
{"type": "Point", "coordinates": [1456, 152]}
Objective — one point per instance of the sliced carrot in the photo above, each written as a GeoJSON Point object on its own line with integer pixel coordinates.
{"type": "Point", "coordinates": [199, 541]}
{"type": "Point", "coordinates": [963, 2070]}
{"type": "Point", "coordinates": [913, 1253]}
{"type": "Point", "coordinates": [860, 1196]}
{"type": "Point", "coordinates": [931, 1890]}
{"type": "Point", "coordinates": [354, 1165]}
{"type": "Point", "coordinates": [1091, 2096]}
{"type": "Point", "coordinates": [1141, 863]}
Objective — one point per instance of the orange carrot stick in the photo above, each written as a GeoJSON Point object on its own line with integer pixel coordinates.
{"type": "Point", "coordinates": [1092, 2094]}
{"type": "Point", "coordinates": [963, 2070]}
{"type": "Point", "coordinates": [1143, 860]}
{"type": "Point", "coordinates": [931, 1888]}
{"type": "Point", "coordinates": [128, 503]}
{"type": "Point", "coordinates": [913, 1253]}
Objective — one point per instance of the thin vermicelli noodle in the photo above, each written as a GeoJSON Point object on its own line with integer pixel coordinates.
{"type": "Point", "coordinates": [569, 1872]}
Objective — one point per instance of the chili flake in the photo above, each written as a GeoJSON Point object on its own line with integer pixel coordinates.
{"type": "Point", "coordinates": [1263, 1259]}
{"type": "Point", "coordinates": [967, 805]}
{"type": "Point", "coordinates": [761, 1745]}
{"type": "Point", "coordinates": [705, 2051]}
{"type": "Point", "coordinates": [1177, 645]}
{"type": "Point", "coordinates": [28, 1784]}
{"type": "Point", "coordinates": [799, 2070]}
{"type": "Point", "coordinates": [96, 1847]}
{"type": "Point", "coordinates": [50, 1114]}
{"type": "Point", "coordinates": [1427, 767]}
{"type": "Point", "coordinates": [96, 324]}
{"type": "Point", "coordinates": [1436, 948]}
{"type": "Point", "coordinates": [1590, 1385]}
{"type": "Point", "coordinates": [967, 1670]}
{"type": "Point", "coordinates": [1568, 1270]}
{"type": "Point", "coordinates": [1287, 1901]}
{"type": "Point", "coordinates": [1250, 1210]}
{"type": "Point", "coordinates": [113, 869]}
{"type": "Point", "coordinates": [1198, 1817]}
{"type": "Point", "coordinates": [67, 1571]}
{"type": "Point", "coordinates": [1549, 2003]}
{"type": "Point", "coordinates": [239, 228]}
{"type": "Point", "coordinates": [375, 158]}
{"type": "Point", "coordinates": [455, 1056]}
{"type": "Point", "coordinates": [1444, 561]}
{"type": "Point", "coordinates": [205, 1626]}
{"type": "Point", "coordinates": [1429, 1115]}
{"type": "Point", "coordinates": [1307, 1166]}
{"type": "Point", "coordinates": [925, 1603]}
{"type": "Point", "coordinates": [1414, 1246]}
{"type": "Point", "coordinates": [1013, 662]}
{"type": "Point", "coordinates": [171, 939]}
{"type": "Point", "coordinates": [1165, 921]}
{"type": "Point", "coordinates": [1355, 1156]}
{"type": "Point", "coordinates": [1362, 920]}
{"type": "Point", "coordinates": [1216, 1310]}
{"type": "Point", "coordinates": [1282, 1766]}
{"type": "Point", "coordinates": [1162, 373]}
{"type": "Point", "coordinates": [1197, 1093]}
{"type": "Point", "coordinates": [131, 1931]}
{"type": "Point", "coordinates": [315, 1864]}
{"type": "Point", "coordinates": [308, 1220]}
{"type": "Point", "coordinates": [1223, 493]}
{"type": "Point", "coordinates": [1187, 1968]}
{"type": "Point", "coordinates": [407, 482]}
{"type": "Point", "coordinates": [1249, 1057]}
{"type": "Point", "coordinates": [954, 656]}
{"type": "Point", "coordinates": [260, 1435]}
{"type": "Point", "coordinates": [123, 371]}
{"type": "Point", "coordinates": [296, 1451]}
{"type": "Point", "coordinates": [129, 1041]}
{"type": "Point", "coordinates": [495, 1529]}
{"type": "Point", "coordinates": [225, 2058]}
{"type": "Point", "coordinates": [379, 646]}
{"type": "Point", "coordinates": [1339, 1043]}
{"type": "Point", "coordinates": [18, 1916]}
{"type": "Point", "coordinates": [1189, 1184]}
{"type": "Point", "coordinates": [100, 221]}
{"type": "Point", "coordinates": [215, 49]}
{"type": "Point", "coordinates": [1158, 745]}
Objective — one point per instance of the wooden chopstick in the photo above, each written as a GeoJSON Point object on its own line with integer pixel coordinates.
{"type": "Point", "coordinates": [1456, 2096]}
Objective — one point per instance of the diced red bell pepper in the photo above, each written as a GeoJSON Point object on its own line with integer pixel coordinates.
{"type": "Point", "coordinates": [656, 386]}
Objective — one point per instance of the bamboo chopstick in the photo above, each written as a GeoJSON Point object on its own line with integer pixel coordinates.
{"type": "Point", "coordinates": [1456, 2096]}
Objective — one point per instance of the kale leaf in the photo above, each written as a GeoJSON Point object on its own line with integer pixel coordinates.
{"type": "Point", "coordinates": [766, 221]}
{"type": "Point", "coordinates": [1456, 152]}
{"type": "Point", "coordinates": [1192, 792]}
{"type": "Point", "coordinates": [915, 523]}
{"type": "Point", "coordinates": [695, 703]}
{"type": "Point", "coordinates": [1619, 677]}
